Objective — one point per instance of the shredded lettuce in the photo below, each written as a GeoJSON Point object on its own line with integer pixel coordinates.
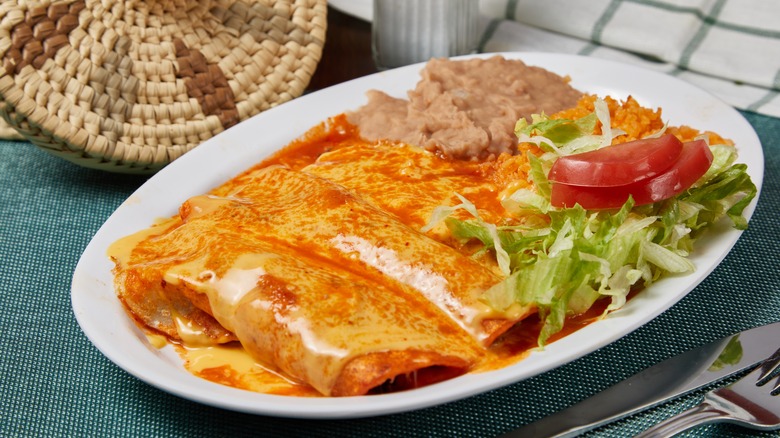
{"type": "Point", "coordinates": [557, 131]}
{"type": "Point", "coordinates": [563, 264]}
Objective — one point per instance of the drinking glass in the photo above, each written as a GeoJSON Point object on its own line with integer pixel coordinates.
{"type": "Point", "coordinates": [409, 31]}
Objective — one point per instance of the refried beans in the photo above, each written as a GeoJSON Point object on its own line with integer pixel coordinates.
{"type": "Point", "coordinates": [465, 109]}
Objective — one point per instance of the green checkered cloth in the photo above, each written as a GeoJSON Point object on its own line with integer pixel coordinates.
{"type": "Point", "coordinates": [53, 382]}
{"type": "Point", "coordinates": [729, 47]}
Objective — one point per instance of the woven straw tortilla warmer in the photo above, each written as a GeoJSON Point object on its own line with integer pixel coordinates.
{"type": "Point", "coordinates": [129, 86]}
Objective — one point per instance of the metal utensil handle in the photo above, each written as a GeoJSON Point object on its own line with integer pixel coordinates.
{"type": "Point", "coordinates": [702, 414]}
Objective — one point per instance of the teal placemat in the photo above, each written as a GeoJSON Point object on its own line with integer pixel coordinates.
{"type": "Point", "coordinates": [55, 383]}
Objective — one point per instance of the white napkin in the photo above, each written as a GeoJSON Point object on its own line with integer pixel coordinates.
{"type": "Point", "coordinates": [729, 47]}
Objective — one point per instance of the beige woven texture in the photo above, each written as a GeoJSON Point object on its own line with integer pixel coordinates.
{"type": "Point", "coordinates": [129, 86]}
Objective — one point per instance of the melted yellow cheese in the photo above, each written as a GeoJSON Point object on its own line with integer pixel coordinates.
{"type": "Point", "coordinates": [231, 365]}
{"type": "Point", "coordinates": [308, 309]}
{"type": "Point", "coordinates": [315, 269]}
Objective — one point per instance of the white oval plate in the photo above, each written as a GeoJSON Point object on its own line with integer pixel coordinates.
{"type": "Point", "coordinates": [362, 9]}
{"type": "Point", "coordinates": [105, 323]}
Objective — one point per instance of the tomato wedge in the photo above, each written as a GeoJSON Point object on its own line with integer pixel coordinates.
{"type": "Point", "coordinates": [617, 165]}
{"type": "Point", "coordinates": [693, 162]}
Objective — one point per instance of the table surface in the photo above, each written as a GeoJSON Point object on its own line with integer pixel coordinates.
{"type": "Point", "coordinates": [55, 383]}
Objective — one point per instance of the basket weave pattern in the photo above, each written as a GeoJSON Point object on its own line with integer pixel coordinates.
{"type": "Point", "coordinates": [129, 86]}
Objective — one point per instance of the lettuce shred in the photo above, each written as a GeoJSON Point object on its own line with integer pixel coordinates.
{"type": "Point", "coordinates": [564, 264]}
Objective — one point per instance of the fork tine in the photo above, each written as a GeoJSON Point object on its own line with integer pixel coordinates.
{"type": "Point", "coordinates": [768, 367]}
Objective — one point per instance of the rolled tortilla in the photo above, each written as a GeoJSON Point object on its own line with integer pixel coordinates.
{"type": "Point", "coordinates": [331, 329]}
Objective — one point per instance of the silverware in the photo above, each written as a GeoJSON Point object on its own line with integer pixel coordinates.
{"type": "Point", "coordinates": [748, 402]}
{"type": "Point", "coordinates": [671, 378]}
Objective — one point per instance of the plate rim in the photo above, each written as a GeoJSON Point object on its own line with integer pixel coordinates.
{"type": "Point", "coordinates": [213, 394]}
{"type": "Point", "coordinates": [361, 9]}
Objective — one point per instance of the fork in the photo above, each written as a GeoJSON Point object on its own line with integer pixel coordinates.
{"type": "Point", "coordinates": [745, 402]}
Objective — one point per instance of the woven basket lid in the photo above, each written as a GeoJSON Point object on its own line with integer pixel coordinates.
{"type": "Point", "coordinates": [129, 86]}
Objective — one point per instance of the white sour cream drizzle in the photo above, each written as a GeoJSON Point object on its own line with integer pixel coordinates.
{"type": "Point", "coordinates": [418, 276]}
{"type": "Point", "coordinates": [309, 338]}
{"type": "Point", "coordinates": [227, 293]}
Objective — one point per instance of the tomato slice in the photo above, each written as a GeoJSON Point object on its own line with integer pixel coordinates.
{"type": "Point", "coordinates": [693, 162]}
{"type": "Point", "coordinates": [617, 165]}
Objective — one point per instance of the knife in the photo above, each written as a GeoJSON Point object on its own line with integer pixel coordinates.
{"type": "Point", "coordinates": [671, 378]}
